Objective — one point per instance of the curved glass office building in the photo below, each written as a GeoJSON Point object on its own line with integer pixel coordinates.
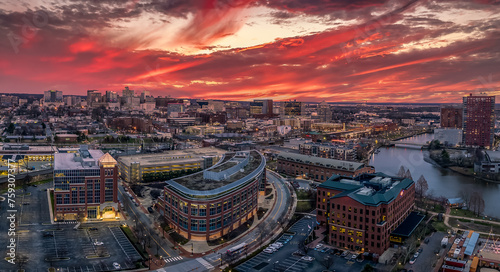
{"type": "Point", "coordinates": [211, 203]}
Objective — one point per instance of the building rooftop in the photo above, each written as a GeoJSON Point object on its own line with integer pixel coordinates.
{"type": "Point", "coordinates": [235, 167]}
{"type": "Point", "coordinates": [493, 156]}
{"type": "Point", "coordinates": [83, 159]}
{"type": "Point", "coordinates": [172, 155]}
{"type": "Point", "coordinates": [409, 225]}
{"type": "Point", "coordinates": [369, 189]}
{"type": "Point", "coordinates": [324, 162]}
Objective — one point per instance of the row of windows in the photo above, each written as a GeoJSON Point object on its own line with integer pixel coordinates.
{"type": "Point", "coordinates": [65, 199]}
{"type": "Point", "coordinates": [216, 208]}
{"type": "Point", "coordinates": [215, 223]}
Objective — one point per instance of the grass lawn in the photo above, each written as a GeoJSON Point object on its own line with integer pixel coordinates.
{"type": "Point", "coordinates": [440, 226]}
{"type": "Point", "coordinates": [303, 206]}
{"type": "Point", "coordinates": [464, 213]}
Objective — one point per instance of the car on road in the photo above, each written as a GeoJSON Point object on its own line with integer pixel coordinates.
{"type": "Point", "coordinates": [298, 253]}
{"type": "Point", "coordinates": [150, 210]}
{"type": "Point", "coordinates": [318, 246]}
{"type": "Point", "coordinates": [268, 250]}
{"type": "Point", "coordinates": [420, 250]}
{"type": "Point", "coordinates": [416, 255]}
{"type": "Point", "coordinates": [426, 240]}
{"type": "Point", "coordinates": [116, 265]}
{"type": "Point", "coordinates": [97, 243]}
{"type": "Point", "coordinates": [307, 258]}
{"type": "Point", "coordinates": [412, 261]}
{"type": "Point", "coordinates": [345, 253]}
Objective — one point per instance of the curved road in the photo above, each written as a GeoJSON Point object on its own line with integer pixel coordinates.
{"type": "Point", "coordinates": [252, 238]}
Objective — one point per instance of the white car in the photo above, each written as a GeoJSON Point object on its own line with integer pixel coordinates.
{"type": "Point", "coordinates": [116, 265]}
{"type": "Point", "coordinates": [354, 256]}
{"type": "Point", "coordinates": [267, 250]}
{"type": "Point", "coordinates": [96, 243]}
{"type": "Point", "coordinates": [307, 258]}
{"type": "Point", "coordinates": [318, 246]}
{"type": "Point", "coordinates": [275, 245]}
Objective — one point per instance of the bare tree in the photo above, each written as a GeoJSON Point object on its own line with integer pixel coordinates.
{"type": "Point", "coordinates": [401, 172]}
{"type": "Point", "coordinates": [408, 175]}
{"type": "Point", "coordinates": [421, 186]}
{"type": "Point", "coordinates": [21, 261]}
{"type": "Point", "coordinates": [327, 262]}
{"type": "Point", "coordinates": [302, 246]}
{"type": "Point", "coordinates": [477, 203]}
{"type": "Point", "coordinates": [262, 231]}
{"type": "Point", "coordinates": [465, 195]}
{"type": "Point", "coordinates": [410, 247]}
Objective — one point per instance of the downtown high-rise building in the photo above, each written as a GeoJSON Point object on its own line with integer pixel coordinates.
{"type": "Point", "coordinates": [451, 117]}
{"type": "Point", "coordinates": [52, 96]}
{"type": "Point", "coordinates": [478, 120]}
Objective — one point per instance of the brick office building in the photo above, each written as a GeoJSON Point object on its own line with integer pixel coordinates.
{"type": "Point", "coordinates": [85, 185]}
{"type": "Point", "coordinates": [209, 204]}
{"type": "Point", "coordinates": [319, 169]}
{"type": "Point", "coordinates": [361, 213]}
{"type": "Point", "coordinates": [479, 120]}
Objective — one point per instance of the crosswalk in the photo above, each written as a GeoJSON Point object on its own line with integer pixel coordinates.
{"type": "Point", "coordinates": [173, 259]}
{"type": "Point", "coordinates": [206, 264]}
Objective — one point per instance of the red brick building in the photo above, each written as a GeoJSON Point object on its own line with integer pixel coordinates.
{"type": "Point", "coordinates": [451, 117]}
{"type": "Point", "coordinates": [479, 120]}
{"type": "Point", "coordinates": [319, 169]}
{"type": "Point", "coordinates": [212, 203]}
{"type": "Point", "coordinates": [361, 213]}
{"type": "Point", "coordinates": [85, 185]}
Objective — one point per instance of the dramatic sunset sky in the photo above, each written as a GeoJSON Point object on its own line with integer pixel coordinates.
{"type": "Point", "coordinates": [309, 50]}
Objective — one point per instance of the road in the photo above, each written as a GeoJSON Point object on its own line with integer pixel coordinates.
{"type": "Point", "coordinates": [143, 221]}
{"type": "Point", "coordinates": [283, 201]}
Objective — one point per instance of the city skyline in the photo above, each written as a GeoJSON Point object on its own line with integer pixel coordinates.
{"type": "Point", "coordinates": [344, 51]}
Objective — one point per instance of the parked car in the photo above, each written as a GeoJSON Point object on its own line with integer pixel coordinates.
{"type": "Point", "coordinates": [420, 250]}
{"type": "Point", "coordinates": [307, 258]}
{"type": "Point", "coordinates": [93, 229]}
{"type": "Point", "coordinates": [426, 240]}
{"type": "Point", "coordinates": [318, 246]}
{"type": "Point", "coordinates": [116, 265]}
{"type": "Point", "coordinates": [268, 250]}
{"type": "Point", "coordinates": [48, 234]}
{"type": "Point", "coordinates": [298, 253]}
{"type": "Point", "coordinates": [345, 253]}
{"type": "Point", "coordinates": [354, 256]}
{"type": "Point", "coordinates": [96, 243]}
{"type": "Point", "coordinates": [150, 210]}
{"type": "Point", "coordinates": [416, 255]}
{"type": "Point", "coordinates": [412, 261]}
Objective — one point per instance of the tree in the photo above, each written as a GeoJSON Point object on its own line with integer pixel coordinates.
{"type": "Point", "coordinates": [302, 246]}
{"type": "Point", "coordinates": [10, 128]}
{"type": "Point", "coordinates": [465, 195]}
{"type": "Point", "coordinates": [21, 261]}
{"type": "Point", "coordinates": [477, 203]}
{"type": "Point", "coordinates": [445, 157]}
{"type": "Point", "coordinates": [401, 172]}
{"type": "Point", "coordinates": [421, 186]}
{"type": "Point", "coordinates": [262, 230]}
{"type": "Point", "coordinates": [408, 175]}
{"type": "Point", "coordinates": [327, 262]}
{"type": "Point", "coordinates": [368, 268]}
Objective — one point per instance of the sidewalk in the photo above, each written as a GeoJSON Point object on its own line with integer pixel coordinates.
{"type": "Point", "coordinates": [201, 248]}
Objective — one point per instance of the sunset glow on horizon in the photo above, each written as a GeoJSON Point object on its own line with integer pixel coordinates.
{"type": "Point", "coordinates": [404, 51]}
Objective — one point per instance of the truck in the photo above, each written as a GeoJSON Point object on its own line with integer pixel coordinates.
{"type": "Point", "coordinates": [454, 262]}
{"type": "Point", "coordinates": [444, 242]}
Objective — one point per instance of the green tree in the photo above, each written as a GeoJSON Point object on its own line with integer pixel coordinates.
{"type": "Point", "coordinates": [368, 268]}
{"type": "Point", "coordinates": [10, 128]}
{"type": "Point", "coordinates": [445, 156]}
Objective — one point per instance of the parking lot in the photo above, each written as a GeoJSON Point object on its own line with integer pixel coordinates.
{"type": "Point", "coordinates": [282, 259]}
{"type": "Point", "coordinates": [60, 245]}
{"type": "Point", "coordinates": [285, 260]}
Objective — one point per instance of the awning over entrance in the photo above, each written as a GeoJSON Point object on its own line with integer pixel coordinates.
{"type": "Point", "coordinates": [407, 227]}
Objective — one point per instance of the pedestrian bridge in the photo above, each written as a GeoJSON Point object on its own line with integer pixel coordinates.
{"type": "Point", "coordinates": [403, 144]}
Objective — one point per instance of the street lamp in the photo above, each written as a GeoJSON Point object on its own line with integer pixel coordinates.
{"type": "Point", "coordinates": [150, 261]}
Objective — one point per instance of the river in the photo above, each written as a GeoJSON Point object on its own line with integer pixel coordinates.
{"type": "Point", "coordinates": [442, 182]}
